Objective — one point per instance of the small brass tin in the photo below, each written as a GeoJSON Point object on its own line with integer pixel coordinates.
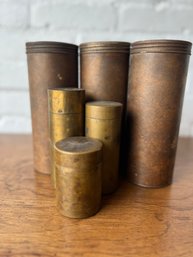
{"type": "Point", "coordinates": [49, 64]}
{"type": "Point", "coordinates": [103, 122]}
{"type": "Point", "coordinates": [157, 80]}
{"type": "Point", "coordinates": [66, 117]}
{"type": "Point", "coordinates": [78, 174]}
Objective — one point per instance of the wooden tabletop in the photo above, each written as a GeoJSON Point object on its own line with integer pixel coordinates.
{"type": "Point", "coordinates": [134, 221]}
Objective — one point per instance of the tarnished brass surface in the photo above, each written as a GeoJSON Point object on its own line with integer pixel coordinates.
{"type": "Point", "coordinates": [66, 117]}
{"type": "Point", "coordinates": [103, 122]}
{"type": "Point", "coordinates": [104, 68]}
{"type": "Point", "coordinates": [156, 88]}
{"type": "Point", "coordinates": [50, 64]}
{"type": "Point", "coordinates": [78, 175]}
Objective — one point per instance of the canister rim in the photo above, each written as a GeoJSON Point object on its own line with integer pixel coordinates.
{"type": "Point", "coordinates": [96, 146]}
{"type": "Point", "coordinates": [106, 104]}
{"type": "Point", "coordinates": [50, 46]}
{"type": "Point", "coordinates": [103, 110]}
{"type": "Point", "coordinates": [161, 45]}
{"type": "Point", "coordinates": [105, 46]}
{"type": "Point", "coordinates": [65, 89]}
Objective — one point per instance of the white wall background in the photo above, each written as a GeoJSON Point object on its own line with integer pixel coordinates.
{"type": "Point", "coordinates": [77, 21]}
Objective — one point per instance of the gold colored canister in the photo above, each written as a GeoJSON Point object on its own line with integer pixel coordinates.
{"type": "Point", "coordinates": [103, 122]}
{"type": "Point", "coordinates": [66, 117]}
{"type": "Point", "coordinates": [78, 176]}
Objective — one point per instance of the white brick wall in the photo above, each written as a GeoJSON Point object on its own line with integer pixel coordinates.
{"type": "Point", "coordinates": [77, 21]}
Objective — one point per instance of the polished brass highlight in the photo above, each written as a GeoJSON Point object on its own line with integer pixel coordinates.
{"type": "Point", "coordinates": [157, 80]}
{"type": "Point", "coordinates": [50, 64]}
{"type": "Point", "coordinates": [103, 122]}
{"type": "Point", "coordinates": [66, 117]}
{"type": "Point", "coordinates": [104, 68]}
{"type": "Point", "coordinates": [78, 176]}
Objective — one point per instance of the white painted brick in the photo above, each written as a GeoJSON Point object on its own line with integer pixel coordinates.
{"type": "Point", "coordinates": [162, 19]}
{"type": "Point", "coordinates": [15, 124]}
{"type": "Point", "coordinates": [187, 118]}
{"type": "Point", "coordinates": [73, 16]}
{"type": "Point", "coordinates": [12, 43]}
{"type": "Point", "coordinates": [14, 14]}
{"type": "Point", "coordinates": [13, 75]}
{"type": "Point", "coordinates": [14, 103]}
{"type": "Point", "coordinates": [87, 36]}
{"type": "Point", "coordinates": [189, 86]}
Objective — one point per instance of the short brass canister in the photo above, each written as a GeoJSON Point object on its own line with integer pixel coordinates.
{"type": "Point", "coordinates": [157, 80]}
{"type": "Point", "coordinates": [50, 64]}
{"type": "Point", "coordinates": [78, 175]}
{"type": "Point", "coordinates": [103, 122]}
{"type": "Point", "coordinates": [66, 117]}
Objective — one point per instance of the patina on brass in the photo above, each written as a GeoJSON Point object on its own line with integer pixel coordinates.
{"type": "Point", "coordinates": [50, 64]}
{"type": "Point", "coordinates": [104, 68]}
{"type": "Point", "coordinates": [78, 175]}
{"type": "Point", "coordinates": [156, 88]}
{"type": "Point", "coordinates": [103, 122]}
{"type": "Point", "coordinates": [66, 117]}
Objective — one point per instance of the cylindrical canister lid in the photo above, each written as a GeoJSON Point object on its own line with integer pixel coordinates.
{"type": "Point", "coordinates": [103, 110]}
{"type": "Point", "coordinates": [78, 152]}
{"type": "Point", "coordinates": [51, 47]}
{"type": "Point", "coordinates": [161, 46]}
{"type": "Point", "coordinates": [105, 46]}
{"type": "Point", "coordinates": [66, 100]}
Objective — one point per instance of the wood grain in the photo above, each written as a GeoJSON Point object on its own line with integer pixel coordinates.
{"type": "Point", "coordinates": [133, 221]}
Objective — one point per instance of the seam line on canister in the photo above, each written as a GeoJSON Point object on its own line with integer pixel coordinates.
{"type": "Point", "coordinates": [65, 113]}
{"type": "Point", "coordinates": [100, 118]}
{"type": "Point", "coordinates": [159, 52]}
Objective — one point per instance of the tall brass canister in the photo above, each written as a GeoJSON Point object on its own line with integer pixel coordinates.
{"type": "Point", "coordinates": [50, 64]}
{"type": "Point", "coordinates": [66, 117]}
{"type": "Point", "coordinates": [156, 88]}
{"type": "Point", "coordinates": [103, 122]}
{"type": "Point", "coordinates": [78, 175]}
{"type": "Point", "coordinates": [104, 67]}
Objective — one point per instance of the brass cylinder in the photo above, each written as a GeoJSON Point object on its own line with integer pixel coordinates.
{"type": "Point", "coordinates": [66, 117]}
{"type": "Point", "coordinates": [104, 68]}
{"type": "Point", "coordinates": [103, 122]}
{"type": "Point", "coordinates": [157, 80]}
{"type": "Point", "coordinates": [50, 64]}
{"type": "Point", "coordinates": [78, 175]}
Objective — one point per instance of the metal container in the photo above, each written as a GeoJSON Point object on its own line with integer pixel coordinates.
{"type": "Point", "coordinates": [66, 117]}
{"type": "Point", "coordinates": [78, 175]}
{"type": "Point", "coordinates": [103, 122]}
{"type": "Point", "coordinates": [156, 89]}
{"type": "Point", "coordinates": [50, 64]}
{"type": "Point", "coordinates": [104, 68]}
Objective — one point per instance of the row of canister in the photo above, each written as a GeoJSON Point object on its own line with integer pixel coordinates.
{"type": "Point", "coordinates": [83, 168]}
{"type": "Point", "coordinates": [147, 77]}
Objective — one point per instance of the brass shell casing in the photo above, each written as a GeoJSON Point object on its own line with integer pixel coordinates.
{"type": "Point", "coordinates": [103, 122]}
{"type": "Point", "coordinates": [66, 117]}
{"type": "Point", "coordinates": [78, 175]}
{"type": "Point", "coordinates": [50, 64]}
{"type": "Point", "coordinates": [157, 79]}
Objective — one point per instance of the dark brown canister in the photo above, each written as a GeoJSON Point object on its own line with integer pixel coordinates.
{"type": "Point", "coordinates": [66, 117]}
{"type": "Point", "coordinates": [78, 176]}
{"type": "Point", "coordinates": [103, 122]}
{"type": "Point", "coordinates": [157, 80]}
{"type": "Point", "coordinates": [50, 64]}
{"type": "Point", "coordinates": [104, 73]}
